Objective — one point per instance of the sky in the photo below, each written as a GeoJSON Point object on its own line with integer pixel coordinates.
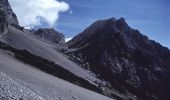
{"type": "Point", "coordinates": [150, 17]}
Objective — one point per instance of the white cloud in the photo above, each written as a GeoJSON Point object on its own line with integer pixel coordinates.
{"type": "Point", "coordinates": [67, 39]}
{"type": "Point", "coordinates": [31, 12]}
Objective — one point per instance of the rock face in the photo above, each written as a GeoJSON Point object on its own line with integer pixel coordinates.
{"type": "Point", "coordinates": [3, 23]}
{"type": "Point", "coordinates": [7, 16]}
{"type": "Point", "coordinates": [124, 57]}
{"type": "Point", "coordinates": [50, 35]}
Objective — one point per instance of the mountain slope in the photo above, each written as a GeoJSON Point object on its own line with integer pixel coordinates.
{"type": "Point", "coordinates": [124, 57]}
{"type": "Point", "coordinates": [23, 41]}
{"type": "Point", "coordinates": [30, 50]}
{"type": "Point", "coordinates": [108, 57]}
{"type": "Point", "coordinates": [23, 81]}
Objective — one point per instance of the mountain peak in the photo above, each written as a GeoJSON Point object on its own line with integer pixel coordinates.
{"type": "Point", "coordinates": [50, 34]}
{"type": "Point", "coordinates": [121, 19]}
{"type": "Point", "coordinates": [121, 24]}
{"type": "Point", "coordinates": [10, 16]}
{"type": "Point", "coordinates": [101, 29]}
{"type": "Point", "coordinates": [120, 54]}
{"type": "Point", "coordinates": [7, 16]}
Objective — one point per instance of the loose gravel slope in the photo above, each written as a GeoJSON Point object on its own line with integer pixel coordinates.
{"type": "Point", "coordinates": [19, 81]}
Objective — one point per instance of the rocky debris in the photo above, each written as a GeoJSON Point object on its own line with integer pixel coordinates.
{"type": "Point", "coordinates": [124, 57]}
{"type": "Point", "coordinates": [12, 90]}
{"type": "Point", "coordinates": [48, 67]}
{"type": "Point", "coordinates": [41, 83]}
{"type": "Point", "coordinates": [50, 35]}
{"type": "Point", "coordinates": [74, 97]}
{"type": "Point", "coordinates": [61, 98]}
{"type": "Point", "coordinates": [7, 16]}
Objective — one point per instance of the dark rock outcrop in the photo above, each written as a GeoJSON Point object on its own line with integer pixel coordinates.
{"type": "Point", "coordinates": [7, 16]}
{"type": "Point", "coordinates": [3, 23]}
{"type": "Point", "coordinates": [124, 57]}
{"type": "Point", "coordinates": [50, 35]}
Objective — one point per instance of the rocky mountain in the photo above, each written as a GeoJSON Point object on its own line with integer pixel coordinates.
{"type": "Point", "coordinates": [109, 58]}
{"type": "Point", "coordinates": [50, 35]}
{"type": "Point", "coordinates": [125, 58]}
{"type": "Point", "coordinates": [7, 16]}
{"type": "Point", "coordinates": [32, 69]}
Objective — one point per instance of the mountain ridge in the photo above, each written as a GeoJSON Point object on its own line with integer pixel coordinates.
{"type": "Point", "coordinates": [124, 56]}
{"type": "Point", "coordinates": [51, 35]}
{"type": "Point", "coordinates": [108, 57]}
{"type": "Point", "coordinates": [32, 52]}
{"type": "Point", "coordinates": [7, 14]}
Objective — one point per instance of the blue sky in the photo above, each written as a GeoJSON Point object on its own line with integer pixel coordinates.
{"type": "Point", "coordinates": [150, 17]}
